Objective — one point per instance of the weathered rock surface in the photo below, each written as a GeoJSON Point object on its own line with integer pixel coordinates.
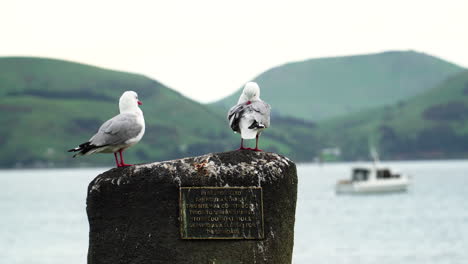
{"type": "Point", "coordinates": [133, 212]}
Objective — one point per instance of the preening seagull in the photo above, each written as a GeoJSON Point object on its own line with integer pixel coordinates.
{"type": "Point", "coordinates": [118, 133]}
{"type": "Point", "coordinates": [250, 116]}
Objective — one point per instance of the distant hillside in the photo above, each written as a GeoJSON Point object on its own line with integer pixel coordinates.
{"type": "Point", "coordinates": [319, 89]}
{"type": "Point", "coordinates": [49, 106]}
{"type": "Point", "coordinates": [429, 126]}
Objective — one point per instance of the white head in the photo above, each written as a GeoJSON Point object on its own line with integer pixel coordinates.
{"type": "Point", "coordinates": [129, 102]}
{"type": "Point", "coordinates": [251, 93]}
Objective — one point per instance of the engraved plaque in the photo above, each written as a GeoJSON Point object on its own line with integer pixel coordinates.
{"type": "Point", "coordinates": [221, 212]}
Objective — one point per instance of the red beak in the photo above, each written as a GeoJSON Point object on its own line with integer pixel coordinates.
{"type": "Point", "coordinates": [140, 103]}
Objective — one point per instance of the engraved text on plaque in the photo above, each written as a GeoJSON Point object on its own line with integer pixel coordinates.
{"type": "Point", "coordinates": [221, 213]}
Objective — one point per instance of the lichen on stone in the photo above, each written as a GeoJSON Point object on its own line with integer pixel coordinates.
{"type": "Point", "coordinates": [134, 211]}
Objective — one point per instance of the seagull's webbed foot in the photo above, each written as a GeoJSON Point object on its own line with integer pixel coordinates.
{"type": "Point", "coordinates": [256, 144]}
{"type": "Point", "coordinates": [122, 163]}
{"type": "Point", "coordinates": [242, 145]}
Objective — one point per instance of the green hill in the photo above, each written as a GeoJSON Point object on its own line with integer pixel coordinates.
{"type": "Point", "coordinates": [319, 89]}
{"type": "Point", "coordinates": [431, 125]}
{"type": "Point", "coordinates": [48, 106]}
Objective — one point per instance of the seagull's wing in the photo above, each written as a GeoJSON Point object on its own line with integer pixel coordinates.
{"type": "Point", "coordinates": [117, 130]}
{"type": "Point", "coordinates": [260, 112]}
{"type": "Point", "coordinates": [257, 114]}
{"type": "Point", "coordinates": [234, 116]}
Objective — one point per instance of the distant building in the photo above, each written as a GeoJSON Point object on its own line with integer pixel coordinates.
{"type": "Point", "coordinates": [330, 154]}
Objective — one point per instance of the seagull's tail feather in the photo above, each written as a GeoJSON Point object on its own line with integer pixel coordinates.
{"type": "Point", "coordinates": [256, 125]}
{"type": "Point", "coordinates": [83, 149]}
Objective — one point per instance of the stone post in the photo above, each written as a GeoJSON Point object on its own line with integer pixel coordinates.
{"type": "Point", "coordinates": [135, 212]}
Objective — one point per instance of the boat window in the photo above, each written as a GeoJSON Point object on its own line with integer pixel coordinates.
{"type": "Point", "coordinates": [384, 174]}
{"type": "Point", "coordinates": [360, 174]}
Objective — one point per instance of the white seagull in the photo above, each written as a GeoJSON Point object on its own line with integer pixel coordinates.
{"type": "Point", "coordinates": [250, 116]}
{"type": "Point", "coordinates": [119, 133]}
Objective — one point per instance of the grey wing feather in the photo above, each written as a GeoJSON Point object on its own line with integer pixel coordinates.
{"type": "Point", "coordinates": [117, 130]}
{"type": "Point", "coordinates": [261, 112]}
{"type": "Point", "coordinates": [234, 115]}
{"type": "Point", "coordinates": [235, 109]}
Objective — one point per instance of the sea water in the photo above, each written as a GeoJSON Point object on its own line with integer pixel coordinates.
{"type": "Point", "coordinates": [43, 216]}
{"type": "Point", "coordinates": [428, 224]}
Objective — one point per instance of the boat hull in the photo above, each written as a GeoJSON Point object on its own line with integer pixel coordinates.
{"type": "Point", "coordinates": [380, 186]}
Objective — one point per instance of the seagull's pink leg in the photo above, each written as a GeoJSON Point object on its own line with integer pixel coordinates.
{"type": "Point", "coordinates": [256, 144]}
{"type": "Point", "coordinates": [116, 159]}
{"type": "Point", "coordinates": [122, 163]}
{"type": "Point", "coordinates": [242, 145]}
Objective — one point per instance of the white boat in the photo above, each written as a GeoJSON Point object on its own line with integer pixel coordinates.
{"type": "Point", "coordinates": [373, 179]}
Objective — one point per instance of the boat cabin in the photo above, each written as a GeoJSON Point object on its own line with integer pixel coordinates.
{"type": "Point", "coordinates": [360, 174]}
{"type": "Point", "coordinates": [363, 174]}
{"type": "Point", "coordinates": [386, 174]}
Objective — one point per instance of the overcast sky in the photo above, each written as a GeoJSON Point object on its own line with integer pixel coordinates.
{"type": "Point", "coordinates": [208, 49]}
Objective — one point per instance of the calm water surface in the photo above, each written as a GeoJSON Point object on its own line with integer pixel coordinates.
{"type": "Point", "coordinates": [429, 224]}
{"type": "Point", "coordinates": [43, 217]}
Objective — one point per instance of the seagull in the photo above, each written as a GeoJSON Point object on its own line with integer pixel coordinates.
{"type": "Point", "coordinates": [118, 133]}
{"type": "Point", "coordinates": [250, 116]}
